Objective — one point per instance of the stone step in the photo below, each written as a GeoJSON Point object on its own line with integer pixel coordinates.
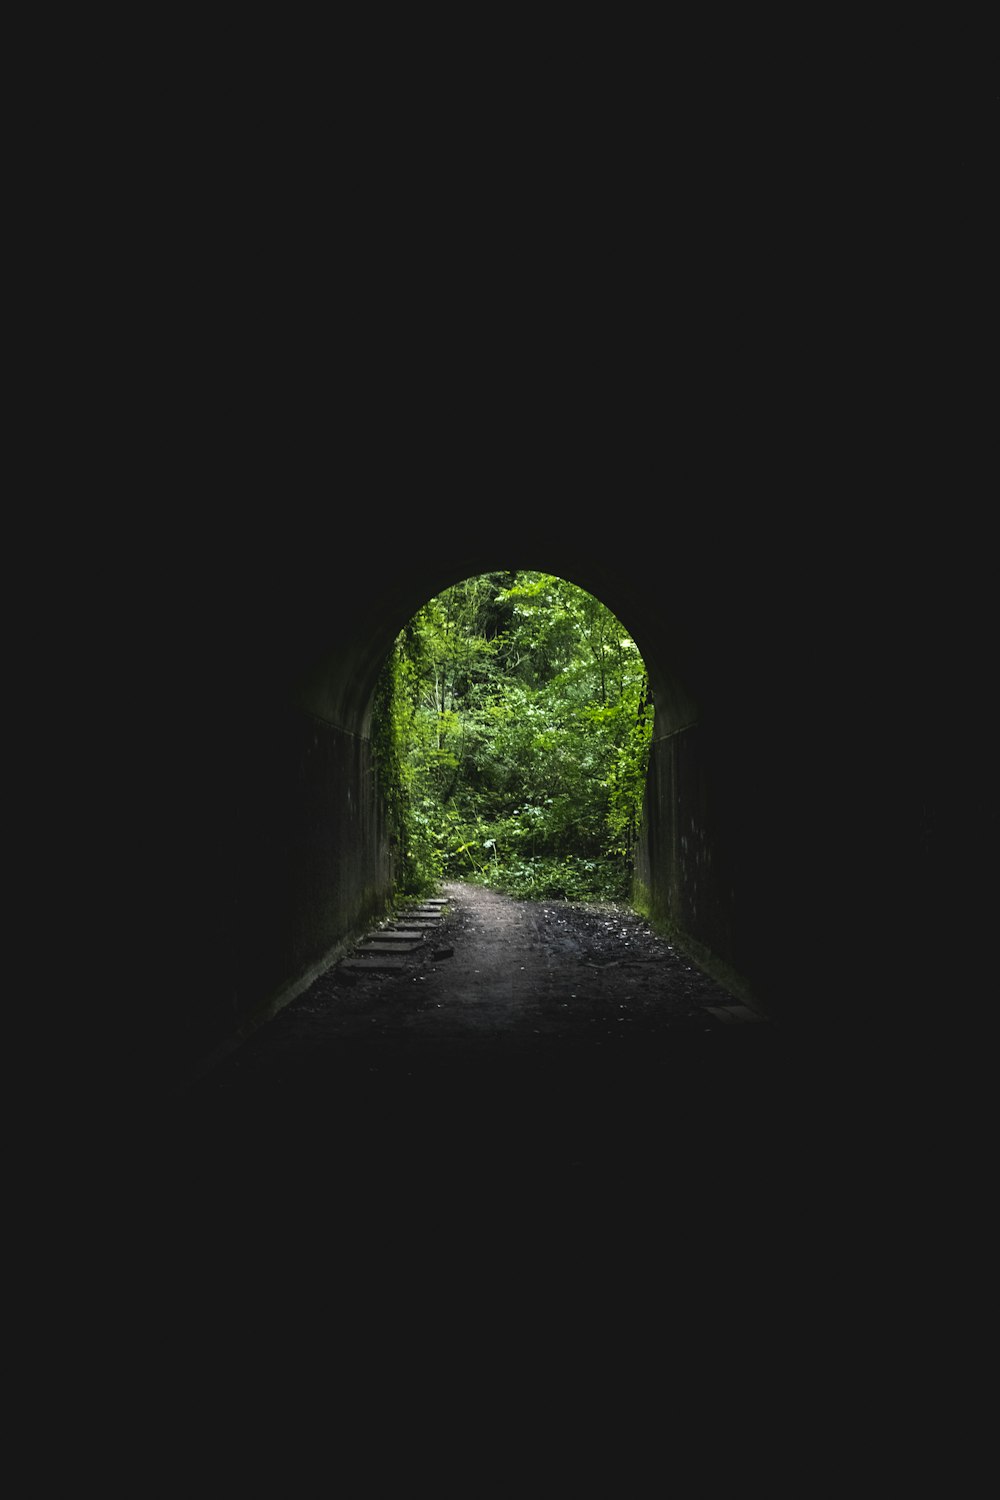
{"type": "Point", "coordinates": [377, 964]}
{"type": "Point", "coordinates": [377, 946]}
{"type": "Point", "coordinates": [396, 935]}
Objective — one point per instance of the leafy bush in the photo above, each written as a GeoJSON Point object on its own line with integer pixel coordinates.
{"type": "Point", "coordinates": [518, 740]}
{"type": "Point", "coordinates": [570, 879]}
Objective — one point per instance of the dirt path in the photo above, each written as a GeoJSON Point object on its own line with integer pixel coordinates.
{"type": "Point", "coordinates": [550, 1123]}
{"type": "Point", "coordinates": [498, 979]}
{"type": "Point", "coordinates": [525, 1038]}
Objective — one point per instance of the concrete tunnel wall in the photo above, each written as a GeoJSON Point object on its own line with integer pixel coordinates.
{"type": "Point", "coordinates": [776, 840]}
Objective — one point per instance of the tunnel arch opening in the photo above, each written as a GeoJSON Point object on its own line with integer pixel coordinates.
{"type": "Point", "coordinates": [512, 723]}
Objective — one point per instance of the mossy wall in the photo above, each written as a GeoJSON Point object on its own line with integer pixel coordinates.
{"type": "Point", "coordinates": [683, 879]}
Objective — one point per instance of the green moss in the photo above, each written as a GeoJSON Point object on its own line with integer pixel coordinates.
{"type": "Point", "coordinates": [387, 749]}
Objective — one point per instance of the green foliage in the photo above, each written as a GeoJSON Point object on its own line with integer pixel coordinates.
{"type": "Point", "coordinates": [519, 739]}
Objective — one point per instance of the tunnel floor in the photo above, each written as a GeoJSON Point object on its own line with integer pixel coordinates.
{"type": "Point", "coordinates": [549, 1120]}
{"type": "Point", "coordinates": [482, 979]}
{"type": "Point", "coordinates": [520, 1043]}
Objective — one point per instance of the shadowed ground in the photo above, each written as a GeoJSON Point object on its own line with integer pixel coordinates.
{"type": "Point", "coordinates": [524, 1043]}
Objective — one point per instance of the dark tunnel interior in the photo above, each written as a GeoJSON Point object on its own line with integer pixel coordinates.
{"type": "Point", "coordinates": [806, 827]}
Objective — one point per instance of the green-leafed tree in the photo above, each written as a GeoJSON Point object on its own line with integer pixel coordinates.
{"type": "Point", "coordinates": [521, 710]}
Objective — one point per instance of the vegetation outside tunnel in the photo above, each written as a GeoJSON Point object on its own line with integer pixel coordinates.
{"type": "Point", "coordinates": [512, 727]}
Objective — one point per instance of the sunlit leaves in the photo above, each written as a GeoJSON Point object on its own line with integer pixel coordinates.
{"type": "Point", "coordinates": [523, 718]}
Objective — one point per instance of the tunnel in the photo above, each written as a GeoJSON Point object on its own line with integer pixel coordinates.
{"type": "Point", "coordinates": [725, 407]}
{"type": "Point", "coordinates": [788, 835]}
